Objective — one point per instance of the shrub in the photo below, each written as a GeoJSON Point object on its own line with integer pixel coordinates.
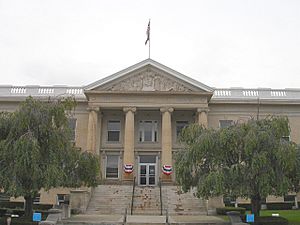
{"type": "Point", "coordinates": [18, 221]}
{"type": "Point", "coordinates": [279, 205]}
{"type": "Point", "coordinates": [42, 207]}
{"type": "Point", "coordinates": [224, 210]}
{"type": "Point", "coordinates": [19, 212]}
{"type": "Point", "coordinates": [229, 204]}
{"type": "Point", "coordinates": [12, 205]}
{"type": "Point", "coordinates": [75, 211]}
{"type": "Point", "coordinates": [247, 206]}
{"type": "Point", "coordinates": [270, 220]}
{"type": "Point", "coordinates": [2, 212]}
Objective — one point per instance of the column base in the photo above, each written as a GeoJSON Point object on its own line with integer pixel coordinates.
{"type": "Point", "coordinates": [166, 178]}
{"type": "Point", "coordinates": [127, 176]}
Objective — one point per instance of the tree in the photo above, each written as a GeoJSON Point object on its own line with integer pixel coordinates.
{"type": "Point", "coordinates": [36, 152]}
{"type": "Point", "coordinates": [249, 160]}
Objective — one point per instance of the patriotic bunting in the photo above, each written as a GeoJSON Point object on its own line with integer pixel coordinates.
{"type": "Point", "coordinates": [167, 169]}
{"type": "Point", "coordinates": [128, 168]}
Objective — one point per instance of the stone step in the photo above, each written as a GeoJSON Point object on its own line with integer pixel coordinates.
{"type": "Point", "coordinates": [110, 199]}
{"type": "Point", "coordinates": [142, 220]}
{"type": "Point", "coordinates": [115, 198]}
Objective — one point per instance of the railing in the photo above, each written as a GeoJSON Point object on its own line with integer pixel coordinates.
{"type": "Point", "coordinates": [132, 197]}
{"type": "Point", "coordinates": [125, 216]}
{"type": "Point", "coordinates": [167, 217]}
{"type": "Point", "coordinates": [261, 93]}
{"type": "Point", "coordinates": [160, 197]}
{"type": "Point", "coordinates": [40, 91]}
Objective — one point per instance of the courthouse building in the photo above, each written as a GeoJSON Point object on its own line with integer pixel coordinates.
{"type": "Point", "coordinates": [132, 119]}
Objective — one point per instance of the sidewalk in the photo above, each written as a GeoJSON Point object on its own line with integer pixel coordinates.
{"type": "Point", "coordinates": [143, 219]}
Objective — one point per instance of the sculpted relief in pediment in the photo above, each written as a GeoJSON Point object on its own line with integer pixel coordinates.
{"type": "Point", "coordinates": [149, 80]}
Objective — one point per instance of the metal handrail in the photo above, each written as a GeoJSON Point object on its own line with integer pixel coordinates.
{"type": "Point", "coordinates": [160, 195]}
{"type": "Point", "coordinates": [125, 216]}
{"type": "Point", "coordinates": [167, 217]}
{"type": "Point", "coordinates": [132, 197]}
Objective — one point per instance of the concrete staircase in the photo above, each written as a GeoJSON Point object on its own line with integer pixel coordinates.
{"type": "Point", "coordinates": [113, 199]}
{"type": "Point", "coordinates": [110, 199]}
{"type": "Point", "coordinates": [179, 203]}
{"type": "Point", "coordinates": [146, 201]}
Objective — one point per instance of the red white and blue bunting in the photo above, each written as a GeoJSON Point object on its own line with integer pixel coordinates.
{"type": "Point", "coordinates": [128, 168]}
{"type": "Point", "coordinates": [167, 169]}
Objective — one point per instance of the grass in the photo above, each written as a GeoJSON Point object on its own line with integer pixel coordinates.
{"type": "Point", "coordinates": [293, 216]}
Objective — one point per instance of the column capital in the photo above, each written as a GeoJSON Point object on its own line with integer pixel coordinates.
{"type": "Point", "coordinates": [127, 109]}
{"type": "Point", "coordinates": [166, 109]}
{"type": "Point", "coordinates": [205, 110]}
{"type": "Point", "coordinates": [92, 108]}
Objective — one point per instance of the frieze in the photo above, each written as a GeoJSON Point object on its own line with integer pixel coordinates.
{"type": "Point", "coordinates": [149, 80]}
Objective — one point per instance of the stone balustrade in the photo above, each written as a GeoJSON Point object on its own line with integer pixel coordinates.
{"type": "Point", "coordinates": [41, 91]}
{"type": "Point", "coordinates": [219, 93]}
{"type": "Point", "coordinates": [259, 93]}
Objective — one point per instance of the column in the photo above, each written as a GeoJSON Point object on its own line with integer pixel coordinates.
{"type": "Point", "coordinates": [129, 140]}
{"type": "Point", "coordinates": [99, 129]}
{"type": "Point", "coordinates": [202, 116]}
{"type": "Point", "coordinates": [166, 140]}
{"type": "Point", "coordinates": [92, 130]}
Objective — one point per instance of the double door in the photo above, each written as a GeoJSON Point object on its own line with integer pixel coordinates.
{"type": "Point", "coordinates": [147, 174]}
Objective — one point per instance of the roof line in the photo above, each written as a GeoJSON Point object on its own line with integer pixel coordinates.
{"type": "Point", "coordinates": [155, 64]}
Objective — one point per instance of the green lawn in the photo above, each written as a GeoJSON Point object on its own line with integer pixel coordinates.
{"type": "Point", "coordinates": [293, 216]}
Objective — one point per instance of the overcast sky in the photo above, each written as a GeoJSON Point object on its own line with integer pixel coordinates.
{"type": "Point", "coordinates": [221, 43]}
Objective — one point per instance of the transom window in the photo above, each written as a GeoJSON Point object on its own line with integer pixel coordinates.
{"type": "Point", "coordinates": [148, 131]}
{"type": "Point", "coordinates": [225, 123]}
{"type": "Point", "coordinates": [113, 130]}
{"type": "Point", "coordinates": [112, 166]}
{"type": "Point", "coordinates": [179, 127]}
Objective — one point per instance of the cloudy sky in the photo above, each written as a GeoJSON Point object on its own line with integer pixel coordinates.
{"type": "Point", "coordinates": [222, 43]}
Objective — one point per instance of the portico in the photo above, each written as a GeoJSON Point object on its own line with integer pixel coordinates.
{"type": "Point", "coordinates": [135, 116]}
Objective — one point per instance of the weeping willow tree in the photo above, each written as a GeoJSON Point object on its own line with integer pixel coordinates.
{"type": "Point", "coordinates": [250, 160]}
{"type": "Point", "coordinates": [36, 152]}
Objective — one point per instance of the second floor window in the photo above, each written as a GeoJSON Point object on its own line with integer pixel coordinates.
{"type": "Point", "coordinates": [179, 127]}
{"type": "Point", "coordinates": [72, 126]}
{"type": "Point", "coordinates": [225, 123]}
{"type": "Point", "coordinates": [113, 130]}
{"type": "Point", "coordinates": [148, 131]}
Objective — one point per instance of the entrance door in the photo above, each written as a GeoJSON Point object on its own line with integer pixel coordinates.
{"type": "Point", "coordinates": [147, 174]}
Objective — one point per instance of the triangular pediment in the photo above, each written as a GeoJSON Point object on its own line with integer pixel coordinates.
{"type": "Point", "coordinates": [148, 76]}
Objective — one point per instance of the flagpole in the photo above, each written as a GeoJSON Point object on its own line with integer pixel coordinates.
{"type": "Point", "coordinates": [149, 38]}
{"type": "Point", "coordinates": [149, 47]}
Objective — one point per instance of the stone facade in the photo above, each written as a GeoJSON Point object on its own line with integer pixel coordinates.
{"type": "Point", "coordinates": [133, 117]}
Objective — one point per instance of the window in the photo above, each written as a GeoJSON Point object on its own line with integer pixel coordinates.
{"type": "Point", "coordinates": [225, 123]}
{"type": "Point", "coordinates": [179, 126]}
{"type": "Point", "coordinates": [112, 166]}
{"type": "Point", "coordinates": [72, 127]}
{"type": "Point", "coordinates": [229, 201]}
{"type": "Point", "coordinates": [148, 131]}
{"type": "Point", "coordinates": [63, 198]}
{"type": "Point", "coordinates": [286, 138]}
{"type": "Point", "coordinates": [113, 130]}
{"type": "Point", "coordinates": [289, 198]}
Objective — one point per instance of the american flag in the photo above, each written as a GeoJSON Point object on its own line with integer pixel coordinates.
{"type": "Point", "coordinates": [148, 33]}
